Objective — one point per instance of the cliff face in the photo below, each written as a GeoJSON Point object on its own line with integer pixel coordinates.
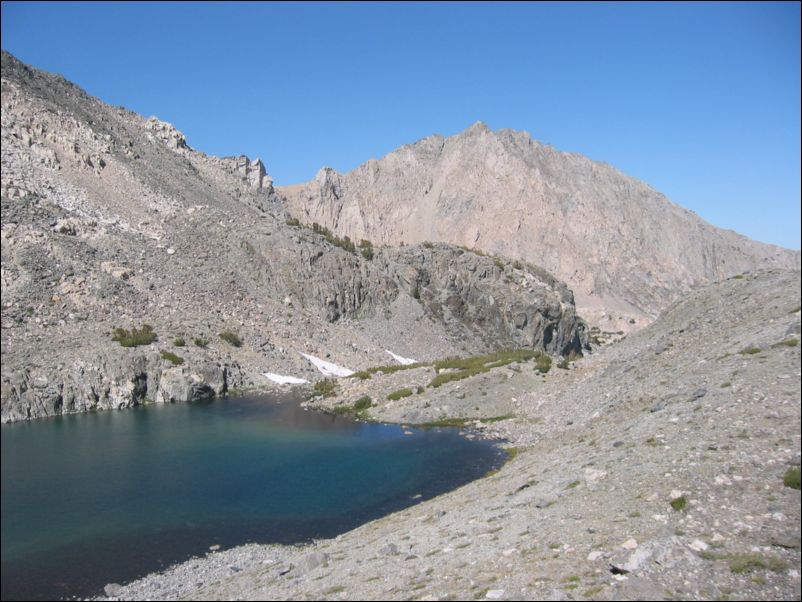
{"type": "Point", "coordinates": [624, 249]}
{"type": "Point", "coordinates": [111, 220]}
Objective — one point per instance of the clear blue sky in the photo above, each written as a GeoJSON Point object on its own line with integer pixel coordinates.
{"type": "Point", "coordinates": [702, 101]}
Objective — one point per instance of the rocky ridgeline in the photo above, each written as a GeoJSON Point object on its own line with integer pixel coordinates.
{"type": "Point", "coordinates": [623, 248]}
{"type": "Point", "coordinates": [111, 220]}
{"type": "Point", "coordinates": [655, 469]}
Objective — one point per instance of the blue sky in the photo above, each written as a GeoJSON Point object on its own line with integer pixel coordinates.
{"type": "Point", "coordinates": [702, 101]}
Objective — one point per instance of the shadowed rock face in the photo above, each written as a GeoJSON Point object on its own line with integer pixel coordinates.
{"type": "Point", "coordinates": [111, 220]}
{"type": "Point", "coordinates": [624, 249]}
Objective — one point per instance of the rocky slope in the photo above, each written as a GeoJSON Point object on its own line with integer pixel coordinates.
{"type": "Point", "coordinates": [111, 220]}
{"type": "Point", "coordinates": [652, 470]}
{"type": "Point", "coordinates": [623, 248]}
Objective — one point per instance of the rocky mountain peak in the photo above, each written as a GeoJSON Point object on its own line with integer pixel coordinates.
{"type": "Point", "coordinates": [625, 250]}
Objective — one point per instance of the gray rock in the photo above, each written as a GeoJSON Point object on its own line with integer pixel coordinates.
{"type": "Point", "coordinates": [309, 562]}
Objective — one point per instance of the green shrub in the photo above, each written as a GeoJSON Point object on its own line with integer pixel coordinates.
{"type": "Point", "coordinates": [179, 342]}
{"type": "Point", "coordinates": [396, 395]}
{"type": "Point", "coordinates": [232, 338]}
{"type": "Point", "coordinates": [679, 503]}
{"type": "Point", "coordinates": [363, 403]}
{"type": "Point", "coordinates": [787, 343]}
{"type": "Point", "coordinates": [200, 342]}
{"type": "Point", "coordinates": [498, 263]}
{"type": "Point", "coordinates": [543, 363]}
{"type": "Point", "coordinates": [791, 477]}
{"type": "Point", "coordinates": [367, 253]}
{"type": "Point", "coordinates": [563, 364]}
{"type": "Point", "coordinates": [427, 245]}
{"type": "Point", "coordinates": [361, 375]}
{"type": "Point", "coordinates": [172, 357]}
{"type": "Point", "coordinates": [471, 366]}
{"type": "Point", "coordinates": [293, 221]}
{"type": "Point", "coordinates": [325, 387]}
{"type": "Point", "coordinates": [135, 337]}
{"type": "Point", "coordinates": [749, 351]}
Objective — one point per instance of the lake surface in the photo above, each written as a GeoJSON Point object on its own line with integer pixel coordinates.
{"type": "Point", "coordinates": [98, 498]}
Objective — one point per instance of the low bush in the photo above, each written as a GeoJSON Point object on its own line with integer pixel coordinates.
{"type": "Point", "coordinates": [134, 337]}
{"type": "Point", "coordinates": [325, 387]}
{"type": "Point", "coordinates": [791, 477]}
{"type": "Point", "coordinates": [179, 342]}
{"type": "Point", "coordinates": [679, 503]}
{"type": "Point", "coordinates": [363, 403]}
{"type": "Point", "coordinates": [172, 357]}
{"type": "Point", "coordinates": [232, 338]}
{"type": "Point", "coordinates": [200, 342]}
{"type": "Point", "coordinates": [401, 393]}
{"type": "Point", "coordinates": [746, 563]}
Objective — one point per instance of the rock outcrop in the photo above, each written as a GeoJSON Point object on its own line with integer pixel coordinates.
{"type": "Point", "coordinates": [624, 249]}
{"type": "Point", "coordinates": [111, 220]}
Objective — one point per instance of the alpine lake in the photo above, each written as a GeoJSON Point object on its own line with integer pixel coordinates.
{"type": "Point", "coordinates": [105, 497]}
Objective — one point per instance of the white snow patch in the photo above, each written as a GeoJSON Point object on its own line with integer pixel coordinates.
{"type": "Point", "coordinates": [402, 360]}
{"type": "Point", "coordinates": [285, 380]}
{"type": "Point", "coordinates": [327, 368]}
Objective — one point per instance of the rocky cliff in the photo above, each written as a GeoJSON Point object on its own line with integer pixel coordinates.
{"type": "Point", "coordinates": [624, 249]}
{"type": "Point", "coordinates": [111, 220]}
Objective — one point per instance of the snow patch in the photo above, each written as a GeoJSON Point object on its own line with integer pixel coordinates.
{"type": "Point", "coordinates": [402, 360]}
{"type": "Point", "coordinates": [327, 368]}
{"type": "Point", "coordinates": [285, 380]}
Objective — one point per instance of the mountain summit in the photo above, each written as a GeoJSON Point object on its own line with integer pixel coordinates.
{"type": "Point", "coordinates": [624, 248]}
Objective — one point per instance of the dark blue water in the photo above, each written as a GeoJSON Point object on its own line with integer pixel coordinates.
{"type": "Point", "coordinates": [98, 498]}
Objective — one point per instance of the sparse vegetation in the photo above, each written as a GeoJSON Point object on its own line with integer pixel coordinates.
{"type": "Point", "coordinates": [232, 338]}
{"type": "Point", "coordinates": [400, 394]}
{"type": "Point", "coordinates": [749, 351]}
{"type": "Point", "coordinates": [344, 242]}
{"type": "Point", "coordinates": [201, 342]}
{"type": "Point", "coordinates": [787, 343]}
{"type": "Point", "coordinates": [791, 477]}
{"type": "Point", "coordinates": [679, 503]}
{"type": "Point", "coordinates": [293, 221]}
{"type": "Point", "coordinates": [179, 342]}
{"type": "Point", "coordinates": [366, 248]}
{"type": "Point", "coordinates": [325, 387]}
{"type": "Point", "coordinates": [363, 403]}
{"type": "Point", "coordinates": [427, 245]}
{"type": "Point", "coordinates": [134, 337]}
{"type": "Point", "coordinates": [176, 360]}
{"type": "Point", "coordinates": [543, 363]}
{"type": "Point", "coordinates": [445, 422]}
{"type": "Point", "coordinates": [471, 366]}
{"type": "Point", "coordinates": [746, 563]}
